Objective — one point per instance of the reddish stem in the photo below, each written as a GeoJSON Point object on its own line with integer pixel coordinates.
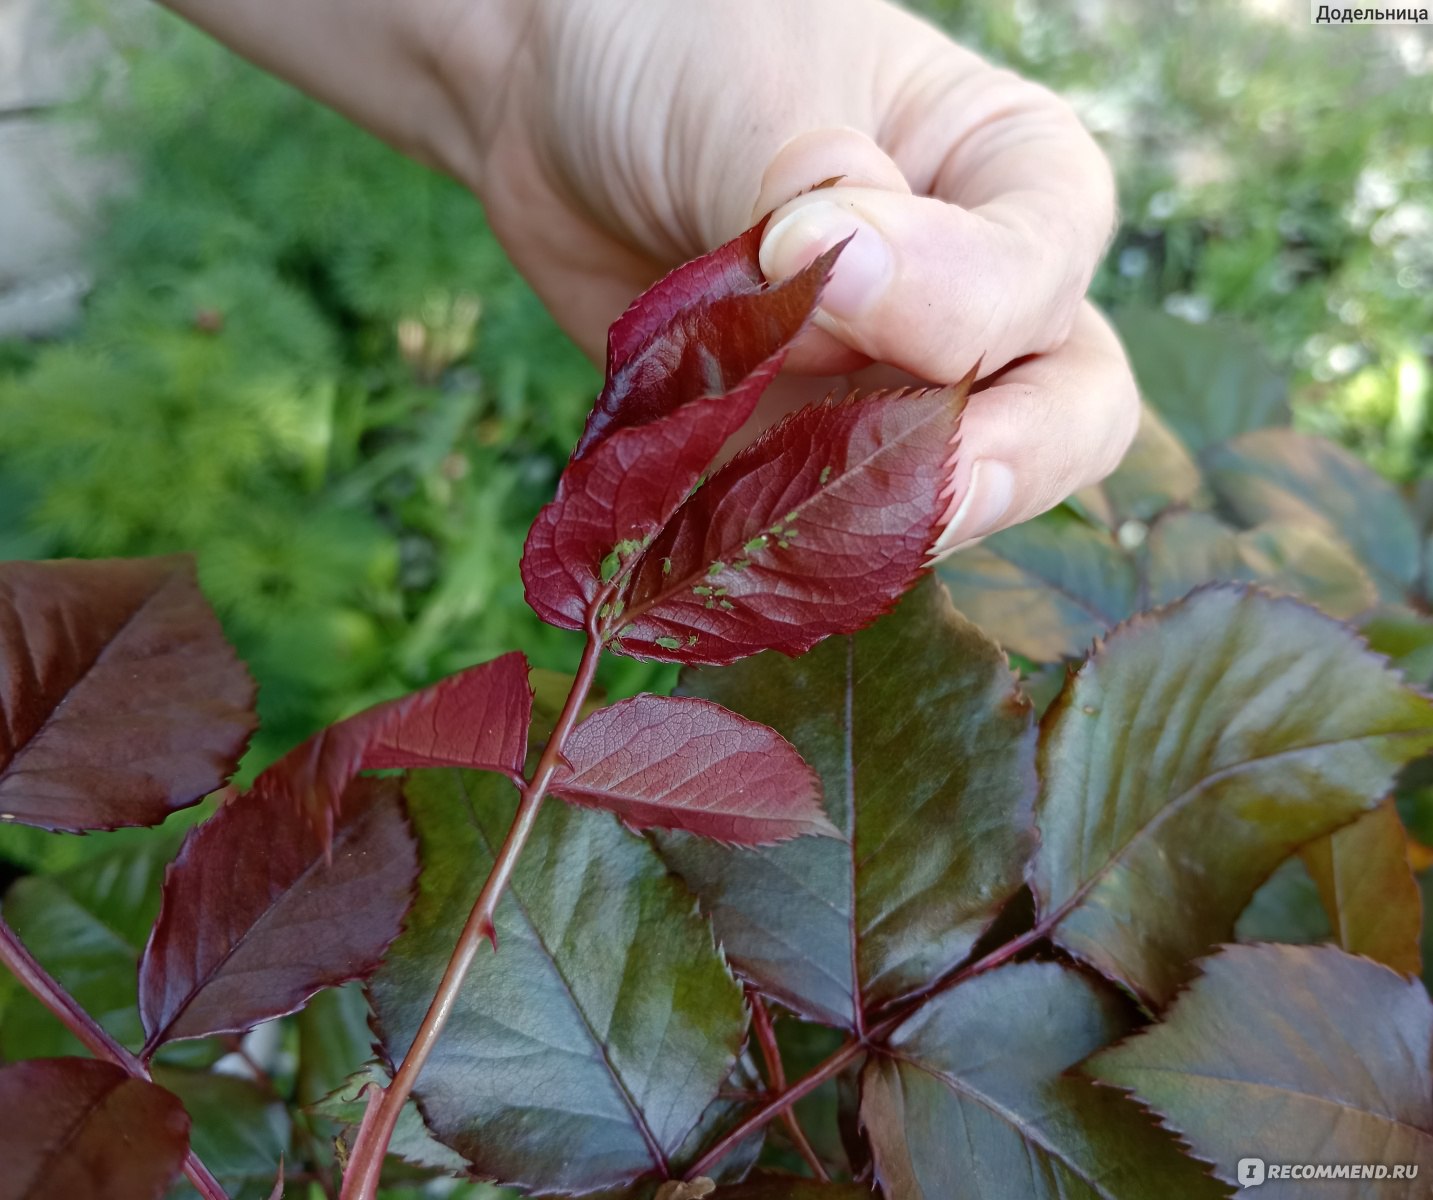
{"type": "Point", "coordinates": [777, 1105]}
{"type": "Point", "coordinates": [360, 1181]}
{"type": "Point", "coordinates": [47, 990]}
{"type": "Point", "coordinates": [875, 1035]}
{"type": "Point", "coordinates": [776, 1076]}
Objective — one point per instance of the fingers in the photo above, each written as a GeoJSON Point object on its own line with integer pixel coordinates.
{"type": "Point", "coordinates": [1045, 429]}
{"type": "Point", "coordinates": [993, 265]}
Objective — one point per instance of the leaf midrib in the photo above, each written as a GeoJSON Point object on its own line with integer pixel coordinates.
{"type": "Point", "coordinates": [71, 1134]}
{"type": "Point", "coordinates": [1149, 827]}
{"type": "Point", "coordinates": [340, 838]}
{"type": "Point", "coordinates": [10, 768]}
{"type": "Point", "coordinates": [1342, 1106]}
{"type": "Point", "coordinates": [1014, 1120]}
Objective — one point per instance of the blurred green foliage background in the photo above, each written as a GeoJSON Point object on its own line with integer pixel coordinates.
{"type": "Point", "coordinates": [307, 360]}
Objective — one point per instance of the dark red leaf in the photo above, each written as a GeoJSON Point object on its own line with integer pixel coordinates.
{"type": "Point", "coordinates": [120, 700]}
{"type": "Point", "coordinates": [75, 1127]}
{"type": "Point", "coordinates": [814, 529]}
{"type": "Point", "coordinates": [610, 503]}
{"type": "Point", "coordinates": [703, 330]}
{"type": "Point", "coordinates": [729, 269]}
{"type": "Point", "coordinates": [676, 763]}
{"type": "Point", "coordinates": [257, 917]}
{"type": "Point", "coordinates": [686, 366]}
{"type": "Point", "coordinates": [477, 718]}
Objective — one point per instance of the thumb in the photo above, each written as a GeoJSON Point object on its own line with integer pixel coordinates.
{"type": "Point", "coordinates": [925, 285]}
{"type": "Point", "coordinates": [839, 154]}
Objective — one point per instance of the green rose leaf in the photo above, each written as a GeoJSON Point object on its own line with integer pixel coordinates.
{"type": "Point", "coordinates": [1210, 382]}
{"type": "Point", "coordinates": [972, 1100]}
{"type": "Point", "coordinates": [925, 748]}
{"type": "Point", "coordinates": [1156, 473]}
{"type": "Point", "coordinates": [1292, 1054]}
{"type": "Point", "coordinates": [1286, 908]}
{"type": "Point", "coordinates": [239, 1129]}
{"type": "Point", "coordinates": [1284, 475]}
{"type": "Point", "coordinates": [411, 1141]}
{"type": "Point", "coordinates": [582, 1055]}
{"type": "Point", "coordinates": [1405, 637]}
{"type": "Point", "coordinates": [87, 926]}
{"type": "Point", "coordinates": [1199, 747]}
{"type": "Point", "coordinates": [1045, 589]}
{"type": "Point", "coordinates": [1189, 549]}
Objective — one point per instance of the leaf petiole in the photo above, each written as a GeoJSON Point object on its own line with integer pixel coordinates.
{"type": "Point", "coordinates": [781, 1103]}
{"type": "Point", "coordinates": [776, 1075]}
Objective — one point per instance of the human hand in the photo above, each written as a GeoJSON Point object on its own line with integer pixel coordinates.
{"type": "Point", "coordinates": [611, 140]}
{"type": "Point", "coordinates": [636, 135]}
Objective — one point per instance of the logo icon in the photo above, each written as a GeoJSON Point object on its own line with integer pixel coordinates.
{"type": "Point", "coordinates": [1251, 1172]}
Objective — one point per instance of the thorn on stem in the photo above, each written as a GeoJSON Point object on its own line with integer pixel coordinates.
{"type": "Point", "coordinates": [489, 933]}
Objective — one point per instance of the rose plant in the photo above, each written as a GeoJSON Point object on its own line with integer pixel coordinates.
{"type": "Point", "coordinates": [597, 939]}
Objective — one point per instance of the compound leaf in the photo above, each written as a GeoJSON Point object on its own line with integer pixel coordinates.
{"type": "Point", "coordinates": [120, 700]}
{"type": "Point", "coordinates": [925, 748]}
{"type": "Point", "coordinates": [971, 1099]}
{"type": "Point", "coordinates": [686, 365]}
{"type": "Point", "coordinates": [79, 1127]}
{"type": "Point", "coordinates": [253, 924]}
{"type": "Point", "coordinates": [663, 762]}
{"type": "Point", "coordinates": [1293, 1054]}
{"type": "Point", "coordinates": [583, 1054]}
{"type": "Point", "coordinates": [1200, 746]}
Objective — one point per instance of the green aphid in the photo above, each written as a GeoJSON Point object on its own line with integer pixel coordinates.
{"type": "Point", "coordinates": [825, 474]}
{"type": "Point", "coordinates": [669, 643]}
{"type": "Point", "coordinates": [756, 545]}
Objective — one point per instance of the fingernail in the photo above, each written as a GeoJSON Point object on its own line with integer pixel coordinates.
{"type": "Point", "coordinates": [862, 271]}
{"type": "Point", "coordinates": [987, 499]}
